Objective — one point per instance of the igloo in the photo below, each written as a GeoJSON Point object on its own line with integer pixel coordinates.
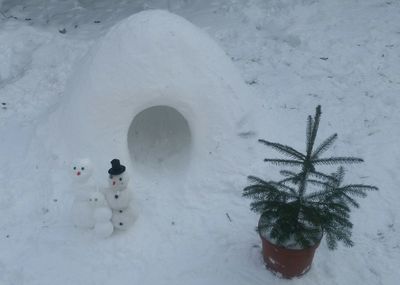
{"type": "Point", "coordinates": [157, 93]}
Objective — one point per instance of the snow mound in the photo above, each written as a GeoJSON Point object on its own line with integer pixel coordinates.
{"type": "Point", "coordinates": [157, 92]}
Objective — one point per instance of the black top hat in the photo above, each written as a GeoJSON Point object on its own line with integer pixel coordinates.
{"type": "Point", "coordinates": [116, 167]}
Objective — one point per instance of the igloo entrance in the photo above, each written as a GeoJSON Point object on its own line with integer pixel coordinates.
{"type": "Point", "coordinates": [159, 139]}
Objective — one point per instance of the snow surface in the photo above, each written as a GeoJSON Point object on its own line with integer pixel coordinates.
{"type": "Point", "coordinates": [293, 54]}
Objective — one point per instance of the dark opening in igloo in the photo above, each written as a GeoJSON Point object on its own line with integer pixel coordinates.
{"type": "Point", "coordinates": [159, 139]}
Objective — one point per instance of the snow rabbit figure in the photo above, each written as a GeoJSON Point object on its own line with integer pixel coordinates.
{"type": "Point", "coordinates": [102, 215]}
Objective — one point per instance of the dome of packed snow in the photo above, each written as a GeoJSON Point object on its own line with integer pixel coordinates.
{"type": "Point", "coordinates": [156, 92]}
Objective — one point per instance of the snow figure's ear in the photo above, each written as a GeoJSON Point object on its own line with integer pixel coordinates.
{"type": "Point", "coordinates": [81, 170]}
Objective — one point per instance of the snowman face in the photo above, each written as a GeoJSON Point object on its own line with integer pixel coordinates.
{"type": "Point", "coordinates": [81, 170]}
{"type": "Point", "coordinates": [118, 182]}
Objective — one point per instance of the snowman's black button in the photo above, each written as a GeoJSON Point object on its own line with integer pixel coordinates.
{"type": "Point", "coordinates": [121, 224]}
{"type": "Point", "coordinates": [120, 211]}
{"type": "Point", "coordinates": [116, 196]}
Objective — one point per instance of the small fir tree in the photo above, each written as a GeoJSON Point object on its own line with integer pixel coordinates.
{"type": "Point", "coordinates": [288, 212]}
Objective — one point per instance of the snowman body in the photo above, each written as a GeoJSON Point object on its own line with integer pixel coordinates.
{"type": "Point", "coordinates": [122, 219]}
{"type": "Point", "coordinates": [81, 210]}
{"type": "Point", "coordinates": [118, 199]}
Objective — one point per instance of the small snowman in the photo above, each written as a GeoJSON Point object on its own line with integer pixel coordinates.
{"type": "Point", "coordinates": [82, 213]}
{"type": "Point", "coordinates": [102, 214]}
{"type": "Point", "coordinates": [118, 196]}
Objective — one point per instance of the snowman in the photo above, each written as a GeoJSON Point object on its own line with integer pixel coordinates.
{"type": "Point", "coordinates": [118, 195]}
{"type": "Point", "coordinates": [102, 214]}
{"type": "Point", "coordinates": [82, 212]}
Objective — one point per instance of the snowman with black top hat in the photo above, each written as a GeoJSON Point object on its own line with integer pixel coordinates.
{"type": "Point", "coordinates": [119, 196]}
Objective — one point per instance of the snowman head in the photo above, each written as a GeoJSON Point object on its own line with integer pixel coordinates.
{"type": "Point", "coordinates": [118, 182]}
{"type": "Point", "coordinates": [118, 179]}
{"type": "Point", "coordinates": [81, 170]}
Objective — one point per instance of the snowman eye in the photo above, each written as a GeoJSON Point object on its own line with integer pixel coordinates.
{"type": "Point", "coordinates": [74, 167]}
{"type": "Point", "coordinates": [111, 177]}
{"type": "Point", "coordinates": [96, 199]}
{"type": "Point", "coordinates": [120, 179]}
{"type": "Point", "coordinates": [82, 168]}
{"type": "Point", "coordinates": [90, 200]}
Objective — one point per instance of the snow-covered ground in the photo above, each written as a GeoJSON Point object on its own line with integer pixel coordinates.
{"type": "Point", "coordinates": [293, 54]}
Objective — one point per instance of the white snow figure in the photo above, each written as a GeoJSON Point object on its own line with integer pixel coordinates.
{"type": "Point", "coordinates": [82, 212]}
{"type": "Point", "coordinates": [118, 195]}
{"type": "Point", "coordinates": [102, 214]}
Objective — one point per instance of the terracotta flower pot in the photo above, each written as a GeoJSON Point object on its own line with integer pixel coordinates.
{"type": "Point", "coordinates": [287, 263]}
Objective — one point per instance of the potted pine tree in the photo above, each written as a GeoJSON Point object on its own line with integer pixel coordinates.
{"type": "Point", "coordinates": [305, 205]}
